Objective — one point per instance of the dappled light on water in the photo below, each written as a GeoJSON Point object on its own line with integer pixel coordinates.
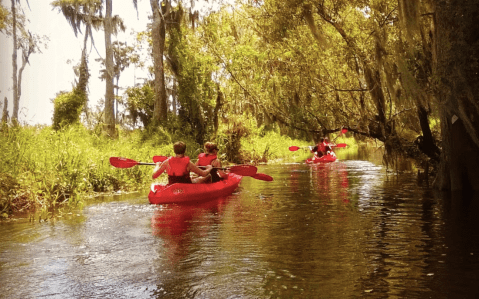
{"type": "Point", "coordinates": [346, 229]}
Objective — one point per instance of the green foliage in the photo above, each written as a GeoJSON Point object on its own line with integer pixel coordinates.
{"type": "Point", "coordinates": [196, 90]}
{"type": "Point", "coordinates": [3, 17]}
{"type": "Point", "coordinates": [140, 103]}
{"type": "Point", "coordinates": [272, 147]}
{"type": "Point", "coordinates": [67, 108]}
{"type": "Point", "coordinates": [43, 168]}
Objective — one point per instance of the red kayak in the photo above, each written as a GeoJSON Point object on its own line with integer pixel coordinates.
{"type": "Point", "coordinates": [324, 159]}
{"type": "Point", "coordinates": [181, 193]}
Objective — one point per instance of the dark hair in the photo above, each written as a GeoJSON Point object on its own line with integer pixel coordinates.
{"type": "Point", "coordinates": [179, 148]}
{"type": "Point", "coordinates": [210, 146]}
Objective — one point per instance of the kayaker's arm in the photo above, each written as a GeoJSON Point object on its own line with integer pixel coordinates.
{"type": "Point", "coordinates": [159, 169]}
{"type": "Point", "coordinates": [192, 167]}
{"type": "Point", "coordinates": [221, 173]}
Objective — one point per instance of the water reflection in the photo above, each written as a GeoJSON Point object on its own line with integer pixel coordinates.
{"type": "Point", "coordinates": [179, 224]}
{"type": "Point", "coordinates": [348, 229]}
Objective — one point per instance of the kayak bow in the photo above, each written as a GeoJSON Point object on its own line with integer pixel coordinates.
{"type": "Point", "coordinates": [323, 159]}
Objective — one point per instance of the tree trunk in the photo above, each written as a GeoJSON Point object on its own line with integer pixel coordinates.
{"type": "Point", "coordinates": [371, 76]}
{"type": "Point", "coordinates": [158, 36]}
{"type": "Point", "coordinates": [109, 93]}
{"type": "Point", "coordinates": [5, 111]}
{"type": "Point", "coordinates": [16, 99]}
{"type": "Point", "coordinates": [174, 95]}
{"type": "Point", "coordinates": [84, 72]}
{"type": "Point", "coordinates": [219, 104]}
{"type": "Point", "coordinates": [427, 144]}
{"type": "Point", "coordinates": [457, 93]}
{"type": "Point", "coordinates": [26, 54]}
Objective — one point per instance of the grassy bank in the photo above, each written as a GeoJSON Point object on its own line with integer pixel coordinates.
{"type": "Point", "coordinates": [42, 168]}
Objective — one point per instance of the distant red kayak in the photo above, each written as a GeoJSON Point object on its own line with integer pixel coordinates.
{"type": "Point", "coordinates": [181, 193]}
{"type": "Point", "coordinates": [323, 159]}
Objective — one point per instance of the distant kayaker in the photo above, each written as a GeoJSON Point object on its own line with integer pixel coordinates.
{"type": "Point", "coordinates": [328, 146]}
{"type": "Point", "coordinates": [319, 149]}
{"type": "Point", "coordinates": [324, 147]}
{"type": "Point", "coordinates": [179, 167]}
{"type": "Point", "coordinates": [209, 157]}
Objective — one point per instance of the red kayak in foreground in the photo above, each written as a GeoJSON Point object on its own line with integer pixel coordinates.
{"type": "Point", "coordinates": [181, 193]}
{"type": "Point", "coordinates": [323, 159]}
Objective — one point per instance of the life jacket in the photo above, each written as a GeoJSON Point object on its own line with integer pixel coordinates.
{"type": "Point", "coordinates": [206, 159]}
{"type": "Point", "coordinates": [178, 170]}
{"type": "Point", "coordinates": [322, 147]}
{"type": "Point", "coordinates": [327, 148]}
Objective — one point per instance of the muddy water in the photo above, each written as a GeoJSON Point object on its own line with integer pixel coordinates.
{"type": "Point", "coordinates": [347, 229]}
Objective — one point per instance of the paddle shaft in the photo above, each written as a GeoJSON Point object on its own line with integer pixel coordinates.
{"type": "Point", "coordinates": [145, 163]}
{"type": "Point", "coordinates": [244, 170]}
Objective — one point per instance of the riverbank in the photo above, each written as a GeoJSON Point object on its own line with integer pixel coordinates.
{"type": "Point", "coordinates": [43, 169]}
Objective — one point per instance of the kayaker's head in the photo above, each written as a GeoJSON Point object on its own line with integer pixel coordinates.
{"type": "Point", "coordinates": [179, 148]}
{"type": "Point", "coordinates": [321, 140]}
{"type": "Point", "coordinates": [210, 147]}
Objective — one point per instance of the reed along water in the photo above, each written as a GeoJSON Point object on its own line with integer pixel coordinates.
{"type": "Point", "coordinates": [346, 229]}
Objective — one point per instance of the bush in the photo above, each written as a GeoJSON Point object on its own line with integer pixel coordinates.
{"type": "Point", "coordinates": [67, 108]}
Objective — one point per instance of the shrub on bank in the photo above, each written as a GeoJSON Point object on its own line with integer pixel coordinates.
{"type": "Point", "coordinates": [44, 168]}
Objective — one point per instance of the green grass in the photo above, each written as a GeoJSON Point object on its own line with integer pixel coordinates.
{"type": "Point", "coordinates": [44, 169]}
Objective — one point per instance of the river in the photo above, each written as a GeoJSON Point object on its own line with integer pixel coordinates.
{"type": "Point", "coordinates": [349, 229]}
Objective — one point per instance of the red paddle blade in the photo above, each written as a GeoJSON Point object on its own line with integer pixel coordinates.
{"type": "Point", "coordinates": [294, 148]}
{"type": "Point", "coordinates": [263, 177]}
{"type": "Point", "coordinates": [122, 162]}
{"type": "Point", "coordinates": [157, 159]}
{"type": "Point", "coordinates": [244, 170]}
{"type": "Point", "coordinates": [341, 145]}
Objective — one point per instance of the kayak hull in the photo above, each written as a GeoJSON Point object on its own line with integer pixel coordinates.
{"type": "Point", "coordinates": [186, 193]}
{"type": "Point", "coordinates": [323, 159]}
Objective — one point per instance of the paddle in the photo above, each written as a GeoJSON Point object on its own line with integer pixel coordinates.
{"type": "Point", "coordinates": [343, 131]}
{"type": "Point", "coordinates": [126, 163]}
{"type": "Point", "coordinates": [295, 148]}
{"type": "Point", "coordinates": [243, 170]}
{"type": "Point", "coordinates": [263, 177]}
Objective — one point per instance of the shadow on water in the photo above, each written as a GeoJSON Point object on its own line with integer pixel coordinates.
{"type": "Point", "coordinates": [348, 229]}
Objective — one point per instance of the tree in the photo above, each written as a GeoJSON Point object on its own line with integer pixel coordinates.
{"type": "Point", "coordinates": [78, 13]}
{"type": "Point", "coordinates": [5, 111]}
{"type": "Point", "coordinates": [111, 26]}
{"type": "Point", "coordinates": [16, 97]}
{"type": "Point", "coordinates": [109, 92]}
{"type": "Point", "coordinates": [28, 43]}
{"type": "Point", "coordinates": [123, 55]}
{"type": "Point", "coordinates": [457, 93]}
{"type": "Point", "coordinates": [158, 34]}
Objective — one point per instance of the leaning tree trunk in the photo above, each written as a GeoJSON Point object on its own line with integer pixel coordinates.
{"type": "Point", "coordinates": [109, 93]}
{"type": "Point", "coordinates": [457, 93]}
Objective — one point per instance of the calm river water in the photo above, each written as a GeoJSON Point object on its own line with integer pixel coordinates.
{"type": "Point", "coordinates": [349, 229]}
